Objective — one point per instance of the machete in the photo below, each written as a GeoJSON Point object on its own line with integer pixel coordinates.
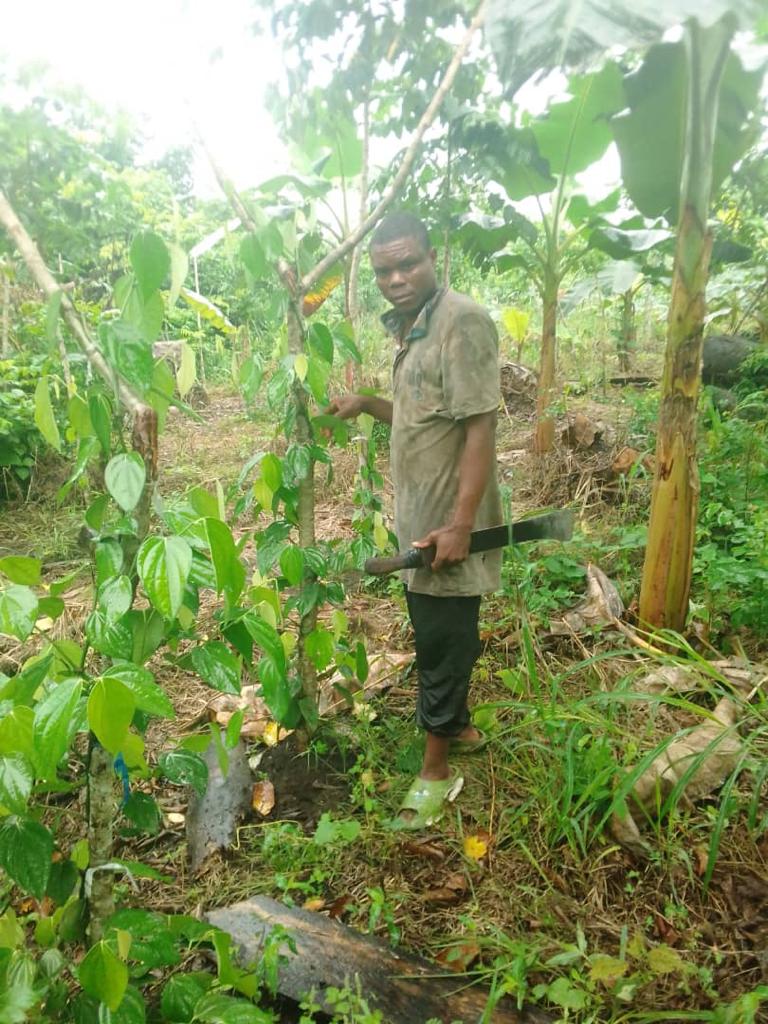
{"type": "Point", "coordinates": [550, 526]}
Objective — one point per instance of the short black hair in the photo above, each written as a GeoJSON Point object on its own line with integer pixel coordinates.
{"type": "Point", "coordinates": [401, 224]}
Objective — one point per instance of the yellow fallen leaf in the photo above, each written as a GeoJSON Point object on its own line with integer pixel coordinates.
{"type": "Point", "coordinates": [271, 734]}
{"type": "Point", "coordinates": [263, 799]}
{"type": "Point", "coordinates": [175, 818]}
{"type": "Point", "coordinates": [475, 847]}
{"type": "Point", "coordinates": [316, 903]}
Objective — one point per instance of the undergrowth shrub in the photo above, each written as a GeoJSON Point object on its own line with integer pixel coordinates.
{"type": "Point", "coordinates": [731, 561]}
{"type": "Point", "coordinates": [19, 437]}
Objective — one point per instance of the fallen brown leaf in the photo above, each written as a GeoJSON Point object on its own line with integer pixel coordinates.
{"type": "Point", "coordinates": [624, 461]}
{"type": "Point", "coordinates": [424, 848]}
{"type": "Point", "coordinates": [701, 859]}
{"type": "Point", "coordinates": [340, 906]}
{"type": "Point", "coordinates": [582, 432]}
{"type": "Point", "coordinates": [601, 605]}
{"type": "Point", "coordinates": [459, 957]}
{"type": "Point", "coordinates": [451, 891]}
{"type": "Point", "coordinates": [704, 757]}
{"type": "Point", "coordinates": [442, 894]}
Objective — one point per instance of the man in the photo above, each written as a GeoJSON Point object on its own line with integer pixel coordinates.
{"type": "Point", "coordinates": [445, 384]}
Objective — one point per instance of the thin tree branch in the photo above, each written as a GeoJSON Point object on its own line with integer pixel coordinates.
{"type": "Point", "coordinates": [354, 263]}
{"type": "Point", "coordinates": [429, 115]}
{"type": "Point", "coordinates": [50, 287]}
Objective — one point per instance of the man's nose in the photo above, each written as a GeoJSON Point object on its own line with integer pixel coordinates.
{"type": "Point", "coordinates": [396, 277]}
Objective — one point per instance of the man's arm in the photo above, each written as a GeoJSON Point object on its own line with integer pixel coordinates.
{"type": "Point", "coordinates": [475, 468]}
{"type": "Point", "coordinates": [347, 407]}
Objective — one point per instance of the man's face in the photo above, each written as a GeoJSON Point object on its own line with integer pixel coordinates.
{"type": "Point", "coordinates": [405, 273]}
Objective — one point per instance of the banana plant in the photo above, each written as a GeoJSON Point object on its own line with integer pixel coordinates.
{"type": "Point", "coordinates": [637, 259]}
{"type": "Point", "coordinates": [689, 120]}
{"type": "Point", "coordinates": [541, 160]}
{"type": "Point", "coordinates": [697, 99]}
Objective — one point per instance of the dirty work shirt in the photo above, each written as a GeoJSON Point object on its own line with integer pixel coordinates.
{"type": "Point", "coordinates": [445, 370]}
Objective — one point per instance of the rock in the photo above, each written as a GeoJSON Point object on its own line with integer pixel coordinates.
{"type": "Point", "coordinates": [723, 354]}
{"type": "Point", "coordinates": [723, 399]}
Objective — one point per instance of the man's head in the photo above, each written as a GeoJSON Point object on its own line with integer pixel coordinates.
{"type": "Point", "coordinates": [403, 262]}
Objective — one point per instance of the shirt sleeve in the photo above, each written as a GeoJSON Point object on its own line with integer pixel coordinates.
{"type": "Point", "coordinates": [470, 366]}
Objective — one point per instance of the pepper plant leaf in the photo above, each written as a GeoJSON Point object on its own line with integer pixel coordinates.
{"type": "Point", "coordinates": [164, 564]}
{"type": "Point", "coordinates": [150, 260]}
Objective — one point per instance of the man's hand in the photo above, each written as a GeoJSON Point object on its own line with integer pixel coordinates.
{"type": "Point", "coordinates": [451, 544]}
{"type": "Point", "coordinates": [346, 407]}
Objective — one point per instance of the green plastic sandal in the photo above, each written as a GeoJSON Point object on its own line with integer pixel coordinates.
{"type": "Point", "coordinates": [427, 799]}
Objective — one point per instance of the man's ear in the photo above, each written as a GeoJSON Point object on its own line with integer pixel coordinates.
{"type": "Point", "coordinates": [433, 256]}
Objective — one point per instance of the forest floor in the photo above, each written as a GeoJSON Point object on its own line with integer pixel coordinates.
{"type": "Point", "coordinates": [523, 886]}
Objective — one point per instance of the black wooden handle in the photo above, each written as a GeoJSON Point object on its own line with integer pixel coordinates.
{"type": "Point", "coordinates": [416, 558]}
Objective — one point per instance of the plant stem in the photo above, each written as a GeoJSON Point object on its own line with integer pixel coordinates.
{"type": "Point", "coordinates": [545, 422]}
{"type": "Point", "coordinates": [306, 504]}
{"type": "Point", "coordinates": [101, 814]}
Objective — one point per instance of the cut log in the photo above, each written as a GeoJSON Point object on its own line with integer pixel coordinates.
{"type": "Point", "coordinates": [213, 817]}
{"type": "Point", "coordinates": [625, 380]}
{"type": "Point", "coordinates": [406, 989]}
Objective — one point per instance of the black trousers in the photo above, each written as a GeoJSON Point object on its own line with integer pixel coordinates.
{"type": "Point", "coordinates": [447, 647]}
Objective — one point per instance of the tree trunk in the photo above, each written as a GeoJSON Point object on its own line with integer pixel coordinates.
{"type": "Point", "coordinates": [628, 332]}
{"type": "Point", "coordinates": [668, 563]}
{"type": "Point", "coordinates": [544, 437]}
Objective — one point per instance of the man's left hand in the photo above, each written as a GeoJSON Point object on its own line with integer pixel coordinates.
{"type": "Point", "coordinates": [451, 545]}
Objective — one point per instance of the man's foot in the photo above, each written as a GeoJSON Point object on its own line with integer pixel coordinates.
{"type": "Point", "coordinates": [469, 741]}
{"type": "Point", "coordinates": [425, 801]}
{"type": "Point", "coordinates": [470, 733]}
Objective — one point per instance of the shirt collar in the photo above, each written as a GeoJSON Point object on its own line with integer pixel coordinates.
{"type": "Point", "coordinates": [393, 320]}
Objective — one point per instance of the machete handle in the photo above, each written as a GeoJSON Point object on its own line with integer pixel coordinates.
{"type": "Point", "coordinates": [416, 558]}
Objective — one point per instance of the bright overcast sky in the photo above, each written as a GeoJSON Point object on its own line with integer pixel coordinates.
{"type": "Point", "coordinates": [161, 59]}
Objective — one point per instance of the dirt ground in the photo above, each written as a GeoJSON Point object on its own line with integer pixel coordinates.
{"type": "Point", "coordinates": [536, 904]}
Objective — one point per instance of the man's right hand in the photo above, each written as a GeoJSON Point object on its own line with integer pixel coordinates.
{"type": "Point", "coordinates": [346, 407]}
